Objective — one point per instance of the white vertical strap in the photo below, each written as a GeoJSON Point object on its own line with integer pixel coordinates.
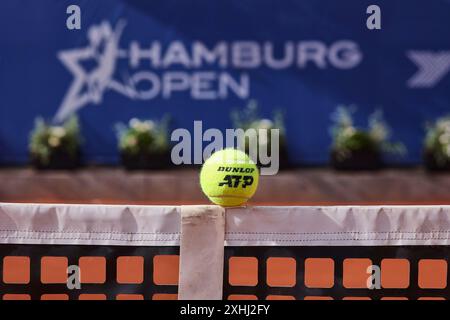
{"type": "Point", "coordinates": [201, 253]}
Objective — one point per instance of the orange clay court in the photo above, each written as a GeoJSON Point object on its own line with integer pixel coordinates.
{"type": "Point", "coordinates": [306, 186]}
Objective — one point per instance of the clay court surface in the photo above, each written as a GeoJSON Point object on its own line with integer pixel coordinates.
{"type": "Point", "coordinates": [180, 186]}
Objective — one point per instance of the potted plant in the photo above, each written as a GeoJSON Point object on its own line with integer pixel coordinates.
{"type": "Point", "coordinates": [55, 146]}
{"type": "Point", "coordinates": [437, 145]}
{"type": "Point", "coordinates": [249, 118]}
{"type": "Point", "coordinates": [144, 144]}
{"type": "Point", "coordinates": [360, 149]}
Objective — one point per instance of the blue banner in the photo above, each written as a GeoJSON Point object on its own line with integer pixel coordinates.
{"type": "Point", "coordinates": [198, 60]}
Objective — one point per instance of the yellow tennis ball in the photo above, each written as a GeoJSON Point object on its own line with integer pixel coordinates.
{"type": "Point", "coordinates": [229, 178]}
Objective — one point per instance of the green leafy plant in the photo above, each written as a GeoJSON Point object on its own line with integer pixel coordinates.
{"type": "Point", "coordinates": [348, 138]}
{"type": "Point", "coordinates": [144, 136]}
{"type": "Point", "coordinates": [47, 140]}
{"type": "Point", "coordinates": [249, 118]}
{"type": "Point", "coordinates": [437, 140]}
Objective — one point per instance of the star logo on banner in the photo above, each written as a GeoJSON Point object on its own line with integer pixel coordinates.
{"type": "Point", "coordinates": [88, 87]}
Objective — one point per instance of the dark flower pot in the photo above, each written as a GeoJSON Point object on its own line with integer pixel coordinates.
{"type": "Point", "coordinates": [356, 160]}
{"type": "Point", "coordinates": [283, 160]}
{"type": "Point", "coordinates": [58, 160]}
{"type": "Point", "coordinates": [146, 161]}
{"type": "Point", "coordinates": [432, 164]}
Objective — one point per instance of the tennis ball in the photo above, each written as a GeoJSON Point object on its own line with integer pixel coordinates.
{"type": "Point", "coordinates": [229, 178]}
